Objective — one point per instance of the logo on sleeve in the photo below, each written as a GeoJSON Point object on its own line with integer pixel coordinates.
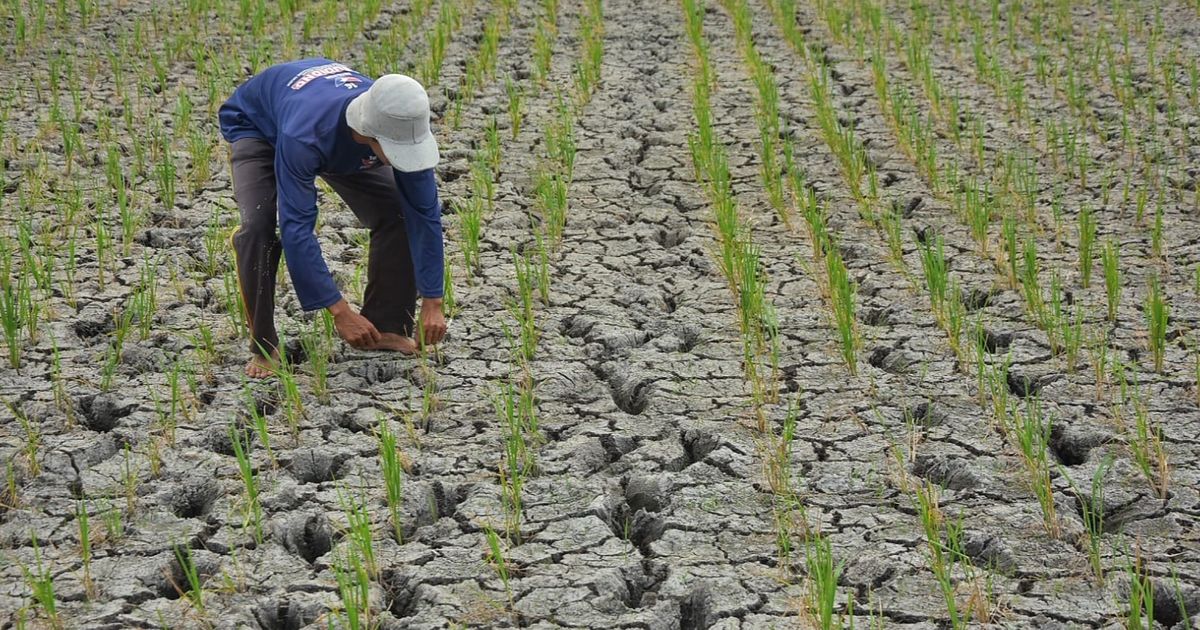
{"type": "Point", "coordinates": [346, 80]}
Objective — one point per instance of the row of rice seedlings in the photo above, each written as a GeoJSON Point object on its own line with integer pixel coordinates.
{"type": "Point", "coordinates": [429, 69]}
{"type": "Point", "coordinates": [737, 257]}
{"type": "Point", "coordinates": [481, 66]}
{"type": "Point", "coordinates": [766, 108]}
{"type": "Point", "coordinates": [381, 53]}
{"type": "Point", "coordinates": [591, 35]}
{"type": "Point", "coordinates": [543, 41]}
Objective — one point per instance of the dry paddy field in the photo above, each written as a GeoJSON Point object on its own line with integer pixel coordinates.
{"type": "Point", "coordinates": [766, 314]}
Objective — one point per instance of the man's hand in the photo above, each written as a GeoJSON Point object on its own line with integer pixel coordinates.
{"type": "Point", "coordinates": [432, 320]}
{"type": "Point", "coordinates": [357, 330]}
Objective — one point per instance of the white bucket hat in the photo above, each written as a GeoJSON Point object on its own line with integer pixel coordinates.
{"type": "Point", "coordinates": [395, 111]}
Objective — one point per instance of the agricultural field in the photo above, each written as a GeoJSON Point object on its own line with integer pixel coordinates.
{"type": "Point", "coordinates": [765, 314]}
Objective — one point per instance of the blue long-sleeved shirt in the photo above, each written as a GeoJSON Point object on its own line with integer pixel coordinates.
{"type": "Point", "coordinates": [300, 108]}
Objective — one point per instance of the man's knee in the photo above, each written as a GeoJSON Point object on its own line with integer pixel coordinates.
{"type": "Point", "coordinates": [257, 225]}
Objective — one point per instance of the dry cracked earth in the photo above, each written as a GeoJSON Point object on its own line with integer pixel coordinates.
{"type": "Point", "coordinates": [650, 507]}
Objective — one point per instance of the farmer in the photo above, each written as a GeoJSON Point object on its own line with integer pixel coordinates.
{"type": "Point", "coordinates": [371, 142]}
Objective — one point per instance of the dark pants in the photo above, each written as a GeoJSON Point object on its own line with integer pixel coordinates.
{"type": "Point", "coordinates": [391, 294]}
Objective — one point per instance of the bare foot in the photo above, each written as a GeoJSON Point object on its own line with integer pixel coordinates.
{"type": "Point", "coordinates": [260, 366]}
{"type": "Point", "coordinates": [394, 342]}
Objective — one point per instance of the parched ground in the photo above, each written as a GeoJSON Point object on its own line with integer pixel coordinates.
{"type": "Point", "coordinates": [650, 507]}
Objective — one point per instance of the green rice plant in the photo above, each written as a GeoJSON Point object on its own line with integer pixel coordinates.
{"type": "Point", "coordinates": [543, 50]}
{"type": "Point", "coordinates": [823, 575]}
{"type": "Point", "coordinates": [354, 590]}
{"type": "Point", "coordinates": [470, 219]}
{"type": "Point", "coordinates": [129, 480]}
{"type": "Point", "coordinates": [522, 309]}
{"type": "Point", "coordinates": [542, 272]}
{"type": "Point", "coordinates": [11, 318]}
{"type": "Point", "coordinates": [483, 179]}
{"type": "Point", "coordinates": [1157, 317]}
{"type": "Point", "coordinates": [1149, 450]}
{"type": "Point", "coordinates": [496, 558]}
{"type": "Point", "coordinates": [1087, 239]}
{"type": "Point", "coordinates": [934, 264]}
{"type": "Point", "coordinates": [144, 303]}
{"type": "Point", "coordinates": [1110, 259]}
{"type": "Point", "coordinates": [1156, 232]}
{"type": "Point", "coordinates": [31, 444]}
{"type": "Point", "coordinates": [515, 105]}
{"type": "Point", "coordinates": [41, 582]}
{"type": "Point", "coordinates": [393, 476]}
{"type": "Point", "coordinates": [317, 348]}
{"type": "Point", "coordinates": [892, 223]}
{"type": "Point", "coordinates": [112, 354]}
{"type": "Point", "coordinates": [195, 585]}
{"type": "Point", "coordinates": [293, 400]}
{"type": "Point", "coordinates": [1031, 283]}
{"type": "Point", "coordinates": [252, 513]}
{"type": "Point", "coordinates": [842, 293]}
{"type": "Point", "coordinates": [941, 562]}
{"type": "Point", "coordinates": [113, 520]}
{"type": "Point", "coordinates": [550, 190]}
{"type": "Point", "coordinates": [1092, 509]}
{"type": "Point", "coordinates": [779, 459]}
{"type": "Point", "coordinates": [358, 529]}
{"type": "Point", "coordinates": [164, 172]}
{"type": "Point", "coordinates": [1033, 441]}
{"type": "Point", "coordinates": [258, 421]}
{"type": "Point", "coordinates": [1141, 595]}
{"type": "Point", "coordinates": [1070, 331]}
{"type": "Point", "coordinates": [517, 459]}
{"type": "Point", "coordinates": [449, 299]}
{"type": "Point", "coordinates": [1012, 254]}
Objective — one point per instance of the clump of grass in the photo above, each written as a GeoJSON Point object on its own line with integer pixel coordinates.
{"type": "Point", "coordinates": [1087, 239]}
{"type": "Point", "coordinates": [359, 529]}
{"type": "Point", "coordinates": [933, 261]}
{"type": "Point", "coordinates": [496, 558]}
{"type": "Point", "coordinates": [1149, 449]}
{"type": "Point", "coordinates": [195, 586]}
{"type": "Point", "coordinates": [354, 590]}
{"type": "Point", "coordinates": [841, 294]}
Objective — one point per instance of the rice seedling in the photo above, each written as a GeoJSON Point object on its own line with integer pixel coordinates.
{"type": "Point", "coordinates": [1087, 238]}
{"type": "Point", "coordinates": [517, 458]}
{"type": "Point", "coordinates": [1110, 259]}
{"type": "Point", "coordinates": [129, 480]}
{"type": "Point", "coordinates": [293, 400]}
{"type": "Point", "coordinates": [354, 590]}
{"type": "Point", "coordinates": [31, 444]}
{"type": "Point", "coordinates": [252, 513]}
{"type": "Point", "coordinates": [1031, 284]}
{"type": "Point", "coordinates": [393, 476]}
{"type": "Point", "coordinates": [1092, 510]}
{"type": "Point", "coordinates": [823, 575]}
{"type": "Point", "coordinates": [543, 50]}
{"type": "Point", "coordinates": [316, 343]}
{"type": "Point", "coordinates": [496, 558]}
{"type": "Point", "coordinates": [1141, 594]}
{"type": "Point", "coordinates": [941, 562]}
{"type": "Point", "coordinates": [195, 585]}
{"type": "Point", "coordinates": [1149, 449]}
{"type": "Point", "coordinates": [258, 423]}
{"type": "Point", "coordinates": [1032, 434]}
{"type": "Point", "coordinates": [1071, 332]}
{"type": "Point", "coordinates": [41, 583]}
{"type": "Point", "coordinates": [515, 105]}
{"type": "Point", "coordinates": [550, 191]}
{"type": "Point", "coordinates": [359, 528]}
{"type": "Point", "coordinates": [936, 268]}
{"type": "Point", "coordinates": [1157, 317]}
{"type": "Point", "coordinates": [470, 217]}
{"type": "Point", "coordinates": [841, 292]}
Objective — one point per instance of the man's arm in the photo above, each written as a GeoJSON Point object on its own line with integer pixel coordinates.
{"type": "Point", "coordinates": [296, 166]}
{"type": "Point", "coordinates": [423, 223]}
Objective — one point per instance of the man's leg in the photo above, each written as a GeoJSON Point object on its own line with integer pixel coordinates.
{"type": "Point", "coordinates": [391, 295]}
{"type": "Point", "coordinates": [256, 245]}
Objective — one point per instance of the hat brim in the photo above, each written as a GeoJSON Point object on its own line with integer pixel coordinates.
{"type": "Point", "coordinates": [354, 113]}
{"type": "Point", "coordinates": [410, 158]}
